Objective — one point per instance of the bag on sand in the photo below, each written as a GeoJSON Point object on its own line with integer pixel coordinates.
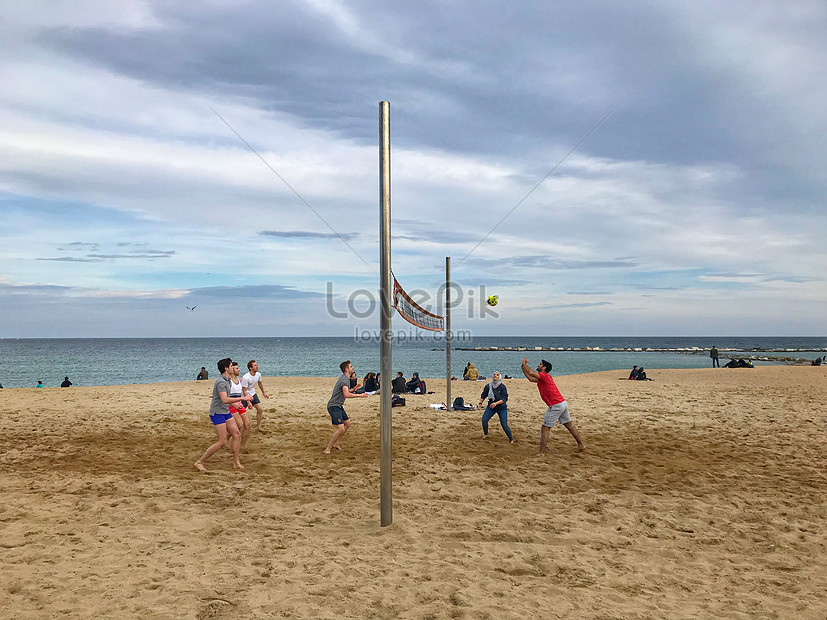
{"type": "Point", "coordinates": [397, 401]}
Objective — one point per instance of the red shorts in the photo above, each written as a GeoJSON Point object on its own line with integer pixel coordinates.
{"type": "Point", "coordinates": [237, 408]}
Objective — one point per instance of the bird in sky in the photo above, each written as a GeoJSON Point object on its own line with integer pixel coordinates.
{"type": "Point", "coordinates": [191, 309]}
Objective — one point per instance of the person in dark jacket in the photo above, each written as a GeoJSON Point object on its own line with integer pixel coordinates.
{"type": "Point", "coordinates": [415, 384]}
{"type": "Point", "coordinates": [398, 384]}
{"type": "Point", "coordinates": [371, 384]}
{"type": "Point", "coordinates": [66, 382]}
{"type": "Point", "coordinates": [497, 397]}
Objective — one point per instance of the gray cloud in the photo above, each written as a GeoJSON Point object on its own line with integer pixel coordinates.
{"type": "Point", "coordinates": [557, 306]}
{"type": "Point", "coordinates": [150, 254]}
{"type": "Point", "coordinates": [73, 259]}
{"type": "Point", "coordinates": [253, 291]}
{"type": "Point", "coordinates": [589, 293]}
{"type": "Point", "coordinates": [306, 234]}
{"type": "Point", "coordinates": [80, 246]}
{"type": "Point", "coordinates": [541, 261]}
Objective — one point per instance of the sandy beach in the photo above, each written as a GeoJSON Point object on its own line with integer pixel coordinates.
{"type": "Point", "coordinates": [702, 494]}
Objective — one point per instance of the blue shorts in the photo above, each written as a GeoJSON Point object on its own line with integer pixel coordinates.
{"type": "Point", "coordinates": [255, 401]}
{"type": "Point", "coordinates": [337, 414]}
{"type": "Point", "coordinates": [220, 418]}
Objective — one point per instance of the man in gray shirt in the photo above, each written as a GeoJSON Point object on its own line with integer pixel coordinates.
{"type": "Point", "coordinates": [335, 407]}
{"type": "Point", "coordinates": [222, 419]}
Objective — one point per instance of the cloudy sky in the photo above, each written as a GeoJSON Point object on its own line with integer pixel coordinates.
{"type": "Point", "coordinates": [696, 208]}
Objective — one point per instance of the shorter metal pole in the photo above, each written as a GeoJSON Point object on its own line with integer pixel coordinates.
{"type": "Point", "coordinates": [448, 332]}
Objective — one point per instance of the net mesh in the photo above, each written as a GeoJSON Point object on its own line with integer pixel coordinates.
{"type": "Point", "coordinates": [413, 313]}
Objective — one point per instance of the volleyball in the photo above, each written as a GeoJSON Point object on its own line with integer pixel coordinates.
{"type": "Point", "coordinates": [493, 300]}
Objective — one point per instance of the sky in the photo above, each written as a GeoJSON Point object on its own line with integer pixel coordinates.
{"type": "Point", "coordinates": [694, 206]}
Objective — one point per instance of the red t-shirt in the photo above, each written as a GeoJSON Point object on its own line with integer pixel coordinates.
{"type": "Point", "coordinates": [548, 390]}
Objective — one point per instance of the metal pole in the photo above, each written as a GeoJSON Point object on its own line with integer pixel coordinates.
{"type": "Point", "coordinates": [385, 292]}
{"type": "Point", "coordinates": [448, 332]}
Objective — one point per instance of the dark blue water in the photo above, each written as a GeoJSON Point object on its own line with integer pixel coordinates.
{"type": "Point", "coordinates": [113, 361]}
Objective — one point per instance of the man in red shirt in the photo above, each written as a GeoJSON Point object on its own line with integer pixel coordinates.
{"type": "Point", "coordinates": [558, 408]}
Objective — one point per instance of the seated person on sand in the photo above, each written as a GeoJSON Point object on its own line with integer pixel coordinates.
{"type": "Point", "coordinates": [472, 374]}
{"type": "Point", "coordinates": [66, 382]}
{"type": "Point", "coordinates": [415, 385]}
{"type": "Point", "coordinates": [465, 372]}
{"type": "Point", "coordinates": [355, 387]}
{"type": "Point", "coordinates": [641, 375]}
{"type": "Point", "coordinates": [203, 375]}
{"type": "Point", "coordinates": [398, 384]}
{"type": "Point", "coordinates": [371, 383]}
{"type": "Point", "coordinates": [633, 375]}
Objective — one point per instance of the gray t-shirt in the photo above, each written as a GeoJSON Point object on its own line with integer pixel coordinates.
{"type": "Point", "coordinates": [338, 398]}
{"type": "Point", "coordinates": [222, 384]}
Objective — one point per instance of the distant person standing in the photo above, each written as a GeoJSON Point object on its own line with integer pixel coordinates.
{"type": "Point", "coordinates": [203, 375]}
{"type": "Point", "coordinates": [66, 382]}
{"type": "Point", "coordinates": [249, 382]}
{"type": "Point", "coordinates": [39, 383]}
{"type": "Point", "coordinates": [713, 353]}
{"type": "Point", "coordinates": [558, 408]}
{"type": "Point", "coordinates": [335, 406]}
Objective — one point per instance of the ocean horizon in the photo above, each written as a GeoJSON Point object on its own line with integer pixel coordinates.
{"type": "Point", "coordinates": [119, 361]}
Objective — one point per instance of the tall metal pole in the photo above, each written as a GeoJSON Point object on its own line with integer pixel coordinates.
{"type": "Point", "coordinates": [448, 332]}
{"type": "Point", "coordinates": [385, 292]}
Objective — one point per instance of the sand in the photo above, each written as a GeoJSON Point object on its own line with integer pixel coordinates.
{"type": "Point", "coordinates": [703, 494]}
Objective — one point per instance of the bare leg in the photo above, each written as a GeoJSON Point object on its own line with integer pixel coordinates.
{"type": "Point", "coordinates": [576, 435]}
{"type": "Point", "coordinates": [245, 427]}
{"type": "Point", "coordinates": [221, 431]}
{"type": "Point", "coordinates": [544, 431]}
{"type": "Point", "coordinates": [232, 428]}
{"type": "Point", "coordinates": [337, 435]}
{"type": "Point", "coordinates": [347, 426]}
{"type": "Point", "coordinates": [259, 416]}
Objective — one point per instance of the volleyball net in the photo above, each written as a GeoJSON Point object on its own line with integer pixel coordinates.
{"type": "Point", "coordinates": [413, 313]}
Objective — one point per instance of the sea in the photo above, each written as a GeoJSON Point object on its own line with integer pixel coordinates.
{"type": "Point", "coordinates": [122, 361]}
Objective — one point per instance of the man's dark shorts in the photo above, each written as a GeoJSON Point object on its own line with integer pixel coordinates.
{"type": "Point", "coordinates": [337, 414]}
{"type": "Point", "coordinates": [255, 401]}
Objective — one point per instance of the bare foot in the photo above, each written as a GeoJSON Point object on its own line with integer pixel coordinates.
{"type": "Point", "coordinates": [485, 436]}
{"type": "Point", "coordinates": [327, 450]}
{"type": "Point", "coordinates": [580, 448]}
{"type": "Point", "coordinates": [337, 447]}
{"type": "Point", "coordinates": [200, 466]}
{"type": "Point", "coordinates": [513, 441]}
{"type": "Point", "coordinates": [238, 466]}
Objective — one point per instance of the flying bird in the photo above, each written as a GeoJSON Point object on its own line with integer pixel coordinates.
{"type": "Point", "coordinates": [191, 309]}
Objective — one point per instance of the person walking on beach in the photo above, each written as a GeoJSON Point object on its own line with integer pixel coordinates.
{"type": "Point", "coordinates": [713, 353]}
{"type": "Point", "coordinates": [222, 419]}
{"type": "Point", "coordinates": [497, 397]}
{"type": "Point", "coordinates": [239, 410]}
{"type": "Point", "coordinates": [249, 382]}
{"type": "Point", "coordinates": [558, 408]}
{"type": "Point", "coordinates": [335, 406]}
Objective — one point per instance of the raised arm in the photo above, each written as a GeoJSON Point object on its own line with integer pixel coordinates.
{"type": "Point", "coordinates": [529, 374]}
